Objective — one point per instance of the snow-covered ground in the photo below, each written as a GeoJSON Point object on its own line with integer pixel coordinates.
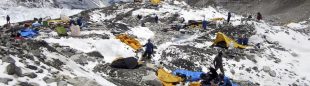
{"type": "Point", "coordinates": [20, 13]}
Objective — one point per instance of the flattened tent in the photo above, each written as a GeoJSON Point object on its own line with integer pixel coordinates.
{"type": "Point", "coordinates": [167, 79]}
{"type": "Point", "coordinates": [127, 63]}
{"type": "Point", "coordinates": [222, 39]}
{"type": "Point", "coordinates": [133, 43]}
{"type": "Point", "coordinates": [61, 31]}
{"type": "Point", "coordinates": [28, 33]}
{"type": "Point", "coordinates": [155, 2]}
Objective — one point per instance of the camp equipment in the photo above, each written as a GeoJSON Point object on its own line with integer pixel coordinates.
{"type": "Point", "coordinates": [61, 31]}
{"type": "Point", "coordinates": [75, 30]}
{"type": "Point", "coordinates": [132, 42]}
{"type": "Point", "coordinates": [223, 41]}
{"type": "Point", "coordinates": [127, 63]}
{"type": "Point", "coordinates": [166, 78]}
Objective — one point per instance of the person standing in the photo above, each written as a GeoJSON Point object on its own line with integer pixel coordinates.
{"type": "Point", "coordinates": [259, 16]}
{"type": "Point", "coordinates": [218, 62]}
{"type": "Point", "coordinates": [8, 19]}
{"type": "Point", "coordinates": [228, 17]}
{"type": "Point", "coordinates": [149, 50]}
{"type": "Point", "coordinates": [204, 24]}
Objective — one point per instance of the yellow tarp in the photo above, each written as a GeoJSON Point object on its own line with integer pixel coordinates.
{"type": "Point", "coordinates": [166, 78]}
{"type": "Point", "coordinates": [222, 37]}
{"type": "Point", "coordinates": [217, 19]}
{"type": "Point", "coordinates": [132, 42]}
{"type": "Point", "coordinates": [195, 84]}
{"type": "Point", "coordinates": [155, 2]}
{"type": "Point", "coordinates": [54, 21]}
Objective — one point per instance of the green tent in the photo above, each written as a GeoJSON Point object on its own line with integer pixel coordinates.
{"type": "Point", "coordinates": [45, 23]}
{"type": "Point", "coordinates": [61, 31]}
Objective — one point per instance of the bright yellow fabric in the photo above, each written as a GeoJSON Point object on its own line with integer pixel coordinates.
{"type": "Point", "coordinates": [195, 84]}
{"type": "Point", "coordinates": [130, 41]}
{"type": "Point", "coordinates": [155, 2]}
{"type": "Point", "coordinates": [166, 78]}
{"type": "Point", "coordinates": [217, 19]}
{"type": "Point", "coordinates": [55, 21]}
{"type": "Point", "coordinates": [222, 37]}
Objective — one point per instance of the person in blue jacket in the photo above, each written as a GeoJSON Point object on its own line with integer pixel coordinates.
{"type": "Point", "coordinates": [245, 40]}
{"type": "Point", "coordinates": [149, 49]}
{"type": "Point", "coordinates": [204, 24]}
{"type": "Point", "coordinates": [79, 21]}
{"type": "Point", "coordinates": [240, 39]}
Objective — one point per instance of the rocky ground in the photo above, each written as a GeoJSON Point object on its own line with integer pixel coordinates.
{"type": "Point", "coordinates": [56, 64]}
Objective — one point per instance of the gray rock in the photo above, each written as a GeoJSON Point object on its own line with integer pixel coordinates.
{"type": "Point", "coordinates": [48, 80]}
{"type": "Point", "coordinates": [232, 71]}
{"type": "Point", "coordinates": [5, 80]}
{"type": "Point", "coordinates": [62, 83]}
{"type": "Point", "coordinates": [273, 73]}
{"type": "Point", "coordinates": [40, 71]}
{"type": "Point", "coordinates": [153, 83]}
{"type": "Point", "coordinates": [31, 75]}
{"type": "Point", "coordinates": [32, 67]}
{"type": "Point", "coordinates": [248, 70]}
{"type": "Point", "coordinates": [13, 69]}
{"type": "Point", "coordinates": [8, 59]}
{"type": "Point", "coordinates": [266, 69]}
{"type": "Point", "coordinates": [82, 81]}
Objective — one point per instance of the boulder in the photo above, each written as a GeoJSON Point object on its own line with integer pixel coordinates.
{"type": "Point", "coordinates": [5, 80]}
{"type": "Point", "coordinates": [32, 67]}
{"type": "Point", "coordinates": [40, 71]}
{"type": "Point", "coordinates": [266, 69]}
{"type": "Point", "coordinates": [273, 73]}
{"type": "Point", "coordinates": [13, 69]}
{"type": "Point", "coordinates": [8, 59]}
{"type": "Point", "coordinates": [31, 75]}
{"type": "Point", "coordinates": [62, 83]}
{"type": "Point", "coordinates": [82, 81]}
{"type": "Point", "coordinates": [48, 80]}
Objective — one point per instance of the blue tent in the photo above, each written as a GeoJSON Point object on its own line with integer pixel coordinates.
{"type": "Point", "coordinates": [191, 75]}
{"type": "Point", "coordinates": [28, 33]}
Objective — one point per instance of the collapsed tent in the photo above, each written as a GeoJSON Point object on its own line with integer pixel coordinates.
{"type": "Point", "coordinates": [191, 75]}
{"type": "Point", "coordinates": [28, 33]}
{"type": "Point", "coordinates": [155, 2]}
{"type": "Point", "coordinates": [223, 41]}
{"type": "Point", "coordinates": [36, 24]}
{"type": "Point", "coordinates": [217, 19]}
{"type": "Point", "coordinates": [127, 63]}
{"type": "Point", "coordinates": [75, 30]}
{"type": "Point", "coordinates": [61, 31]}
{"type": "Point", "coordinates": [132, 42]}
{"type": "Point", "coordinates": [167, 79]}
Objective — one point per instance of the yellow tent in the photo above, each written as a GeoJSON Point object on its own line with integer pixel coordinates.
{"type": "Point", "coordinates": [132, 42]}
{"type": "Point", "coordinates": [217, 19]}
{"type": "Point", "coordinates": [221, 37]}
{"type": "Point", "coordinates": [166, 78]}
{"type": "Point", "coordinates": [155, 2]}
{"type": "Point", "coordinates": [54, 21]}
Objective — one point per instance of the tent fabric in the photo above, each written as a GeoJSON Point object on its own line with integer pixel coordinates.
{"type": "Point", "coordinates": [190, 75]}
{"type": "Point", "coordinates": [45, 23]}
{"type": "Point", "coordinates": [166, 78]}
{"type": "Point", "coordinates": [28, 33]}
{"type": "Point", "coordinates": [133, 43]}
{"type": "Point", "coordinates": [155, 2]}
{"type": "Point", "coordinates": [64, 18]}
{"type": "Point", "coordinates": [217, 19]}
{"type": "Point", "coordinates": [221, 37]}
{"type": "Point", "coordinates": [126, 63]}
{"type": "Point", "coordinates": [61, 31]}
{"type": "Point", "coordinates": [75, 30]}
{"type": "Point", "coordinates": [36, 24]}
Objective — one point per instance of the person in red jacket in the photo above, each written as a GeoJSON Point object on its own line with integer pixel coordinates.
{"type": "Point", "coordinates": [259, 16]}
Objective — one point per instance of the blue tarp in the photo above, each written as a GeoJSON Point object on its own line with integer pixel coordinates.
{"type": "Point", "coordinates": [28, 33]}
{"type": "Point", "coordinates": [191, 75]}
{"type": "Point", "coordinates": [36, 24]}
{"type": "Point", "coordinates": [227, 82]}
